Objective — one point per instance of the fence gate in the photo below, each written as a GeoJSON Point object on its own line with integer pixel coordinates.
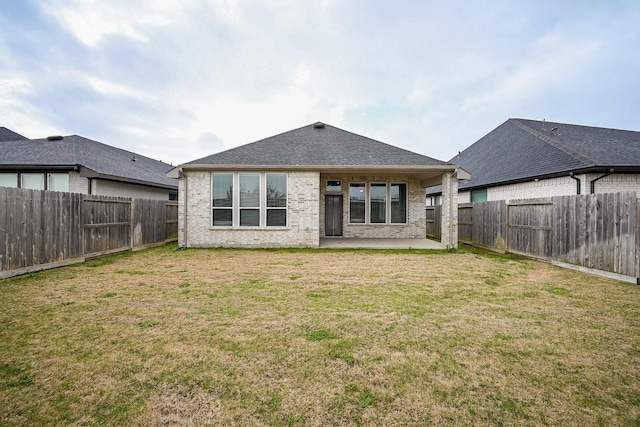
{"type": "Point", "coordinates": [530, 228]}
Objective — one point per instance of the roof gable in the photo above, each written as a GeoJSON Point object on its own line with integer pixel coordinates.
{"type": "Point", "coordinates": [9, 135]}
{"type": "Point", "coordinates": [317, 144]}
{"type": "Point", "coordinates": [101, 159]}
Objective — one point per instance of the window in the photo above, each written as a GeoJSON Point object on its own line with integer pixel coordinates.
{"type": "Point", "coordinates": [383, 203]}
{"type": "Point", "coordinates": [58, 182]}
{"type": "Point", "coordinates": [249, 199]}
{"type": "Point", "coordinates": [357, 198]}
{"type": "Point", "coordinates": [8, 180]}
{"type": "Point", "coordinates": [222, 199]}
{"type": "Point", "coordinates": [398, 196]}
{"type": "Point", "coordinates": [378, 203]}
{"type": "Point", "coordinates": [32, 181]}
{"type": "Point", "coordinates": [334, 185]}
{"type": "Point", "coordinates": [479, 195]}
{"type": "Point", "coordinates": [276, 200]}
{"type": "Point", "coordinates": [260, 199]}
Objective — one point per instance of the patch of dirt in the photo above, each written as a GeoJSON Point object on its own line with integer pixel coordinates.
{"type": "Point", "coordinates": [181, 406]}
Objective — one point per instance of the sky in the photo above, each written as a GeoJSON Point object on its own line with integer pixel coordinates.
{"type": "Point", "coordinates": [177, 80]}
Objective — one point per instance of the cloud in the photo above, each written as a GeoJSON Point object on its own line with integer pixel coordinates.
{"type": "Point", "coordinates": [177, 79]}
{"type": "Point", "coordinates": [554, 64]}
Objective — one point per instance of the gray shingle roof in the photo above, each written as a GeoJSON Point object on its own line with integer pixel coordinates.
{"type": "Point", "coordinates": [9, 135]}
{"type": "Point", "coordinates": [106, 161]}
{"type": "Point", "coordinates": [521, 149]}
{"type": "Point", "coordinates": [318, 145]}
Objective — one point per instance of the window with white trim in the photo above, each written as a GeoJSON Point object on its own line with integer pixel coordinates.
{"type": "Point", "coordinates": [58, 182]}
{"type": "Point", "coordinates": [222, 189]}
{"type": "Point", "coordinates": [249, 199]}
{"type": "Point", "coordinates": [276, 186]}
{"type": "Point", "coordinates": [357, 202]}
{"type": "Point", "coordinates": [32, 181]}
{"type": "Point", "coordinates": [9, 180]}
{"type": "Point", "coordinates": [377, 203]}
{"type": "Point", "coordinates": [398, 199]}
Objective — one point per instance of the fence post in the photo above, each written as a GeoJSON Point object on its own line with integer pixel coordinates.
{"type": "Point", "coordinates": [131, 223]}
{"type": "Point", "coordinates": [506, 229]}
{"type": "Point", "coordinates": [637, 248]}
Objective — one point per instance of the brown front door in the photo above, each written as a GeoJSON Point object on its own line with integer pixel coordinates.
{"type": "Point", "coordinates": [333, 215]}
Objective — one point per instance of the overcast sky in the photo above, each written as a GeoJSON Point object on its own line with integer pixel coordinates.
{"type": "Point", "coordinates": [180, 79]}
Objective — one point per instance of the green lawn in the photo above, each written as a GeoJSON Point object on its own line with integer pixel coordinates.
{"type": "Point", "coordinates": [318, 337]}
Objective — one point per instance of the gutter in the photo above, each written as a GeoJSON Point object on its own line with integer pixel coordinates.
{"type": "Point", "coordinates": [90, 173]}
{"type": "Point", "coordinates": [44, 168]}
{"type": "Point", "coordinates": [592, 169]}
{"type": "Point", "coordinates": [593, 181]}
{"type": "Point", "coordinates": [174, 173]}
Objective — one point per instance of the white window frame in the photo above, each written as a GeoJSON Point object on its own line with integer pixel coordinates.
{"type": "Point", "coordinates": [235, 204]}
{"type": "Point", "coordinates": [51, 176]}
{"type": "Point", "coordinates": [13, 175]}
{"type": "Point", "coordinates": [267, 208]}
{"type": "Point", "coordinates": [367, 203]}
{"type": "Point", "coordinates": [223, 208]}
{"type": "Point", "coordinates": [370, 187]}
{"type": "Point", "coordinates": [239, 208]}
{"type": "Point", "coordinates": [406, 202]}
{"type": "Point", "coordinates": [33, 174]}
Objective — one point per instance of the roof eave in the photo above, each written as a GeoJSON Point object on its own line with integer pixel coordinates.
{"type": "Point", "coordinates": [16, 167]}
{"type": "Point", "coordinates": [428, 175]}
{"type": "Point", "coordinates": [174, 173]}
{"type": "Point", "coordinates": [567, 172]}
{"type": "Point", "coordinates": [89, 173]}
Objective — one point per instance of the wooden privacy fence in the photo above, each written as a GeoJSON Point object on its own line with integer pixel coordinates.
{"type": "Point", "coordinates": [43, 229]}
{"type": "Point", "coordinates": [598, 231]}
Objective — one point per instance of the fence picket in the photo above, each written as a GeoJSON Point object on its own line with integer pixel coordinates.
{"type": "Point", "coordinates": [42, 229]}
{"type": "Point", "coordinates": [598, 231]}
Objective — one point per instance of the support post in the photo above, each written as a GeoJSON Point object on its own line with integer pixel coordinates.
{"type": "Point", "coordinates": [450, 210]}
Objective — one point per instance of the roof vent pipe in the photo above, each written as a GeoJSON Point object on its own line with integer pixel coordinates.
{"type": "Point", "coordinates": [55, 138]}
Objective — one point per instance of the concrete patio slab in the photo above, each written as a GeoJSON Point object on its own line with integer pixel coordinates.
{"type": "Point", "coordinates": [360, 243]}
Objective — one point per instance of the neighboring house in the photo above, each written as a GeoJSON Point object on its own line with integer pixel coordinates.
{"type": "Point", "coordinates": [523, 159]}
{"type": "Point", "coordinates": [9, 135]}
{"type": "Point", "coordinates": [80, 165]}
{"type": "Point", "coordinates": [313, 182]}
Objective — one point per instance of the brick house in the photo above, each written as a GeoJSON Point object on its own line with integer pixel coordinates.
{"type": "Point", "coordinates": [523, 159]}
{"type": "Point", "coordinates": [309, 183]}
{"type": "Point", "coordinates": [80, 165]}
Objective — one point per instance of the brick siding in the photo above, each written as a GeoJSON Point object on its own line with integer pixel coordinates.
{"type": "Point", "coordinates": [562, 186]}
{"type": "Point", "coordinates": [303, 216]}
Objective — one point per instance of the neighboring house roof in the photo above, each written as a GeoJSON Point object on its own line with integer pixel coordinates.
{"type": "Point", "coordinates": [9, 135]}
{"type": "Point", "coordinates": [91, 158]}
{"type": "Point", "coordinates": [320, 146]}
{"type": "Point", "coordinates": [520, 150]}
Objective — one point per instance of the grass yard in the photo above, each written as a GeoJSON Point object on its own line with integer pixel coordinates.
{"type": "Point", "coordinates": [318, 337]}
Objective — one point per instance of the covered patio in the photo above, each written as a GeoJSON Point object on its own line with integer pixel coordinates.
{"type": "Point", "coordinates": [379, 243]}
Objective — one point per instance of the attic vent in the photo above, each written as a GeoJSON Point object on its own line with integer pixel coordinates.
{"type": "Point", "coordinates": [318, 125]}
{"type": "Point", "coordinates": [54, 138]}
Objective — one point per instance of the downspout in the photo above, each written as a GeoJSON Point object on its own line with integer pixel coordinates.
{"type": "Point", "coordinates": [184, 213]}
{"type": "Point", "coordinates": [593, 181]}
{"type": "Point", "coordinates": [577, 182]}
